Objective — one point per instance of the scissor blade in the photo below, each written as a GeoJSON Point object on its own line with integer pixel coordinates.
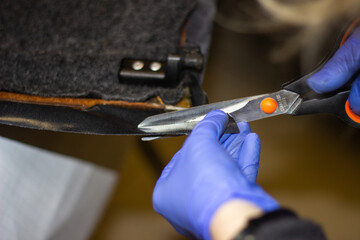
{"type": "Point", "coordinates": [241, 110]}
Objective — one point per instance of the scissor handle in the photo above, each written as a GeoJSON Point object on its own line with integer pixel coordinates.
{"type": "Point", "coordinates": [335, 102]}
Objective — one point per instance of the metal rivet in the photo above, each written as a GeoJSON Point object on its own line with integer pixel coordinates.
{"type": "Point", "coordinates": [138, 65]}
{"type": "Point", "coordinates": [155, 66]}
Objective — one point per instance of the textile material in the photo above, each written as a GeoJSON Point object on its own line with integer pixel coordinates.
{"type": "Point", "coordinates": [73, 48]}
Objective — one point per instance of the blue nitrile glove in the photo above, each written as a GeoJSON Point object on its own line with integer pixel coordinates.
{"type": "Point", "coordinates": [340, 69]}
{"type": "Point", "coordinates": [209, 170]}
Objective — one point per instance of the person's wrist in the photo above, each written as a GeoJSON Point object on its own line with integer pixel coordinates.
{"type": "Point", "coordinates": [232, 217]}
{"type": "Point", "coordinates": [204, 205]}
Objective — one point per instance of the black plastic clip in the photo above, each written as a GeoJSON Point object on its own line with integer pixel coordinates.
{"type": "Point", "coordinates": [162, 72]}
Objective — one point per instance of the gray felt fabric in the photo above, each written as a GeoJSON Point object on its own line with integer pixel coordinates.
{"type": "Point", "coordinates": [73, 48]}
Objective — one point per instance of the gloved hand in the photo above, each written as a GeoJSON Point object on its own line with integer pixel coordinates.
{"type": "Point", "coordinates": [209, 170]}
{"type": "Point", "coordinates": [340, 69]}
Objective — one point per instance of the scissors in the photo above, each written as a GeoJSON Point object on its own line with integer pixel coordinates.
{"type": "Point", "coordinates": [295, 98]}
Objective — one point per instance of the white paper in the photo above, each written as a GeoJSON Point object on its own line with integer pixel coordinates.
{"type": "Point", "coordinates": [44, 195]}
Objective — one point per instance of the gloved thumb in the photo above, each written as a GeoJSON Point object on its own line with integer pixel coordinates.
{"type": "Point", "coordinates": [354, 97]}
{"type": "Point", "coordinates": [340, 68]}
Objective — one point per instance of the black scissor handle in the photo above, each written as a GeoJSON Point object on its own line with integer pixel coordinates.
{"type": "Point", "coordinates": [336, 105]}
{"type": "Point", "coordinates": [334, 102]}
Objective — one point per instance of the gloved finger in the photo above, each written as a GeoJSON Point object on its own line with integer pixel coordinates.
{"type": "Point", "coordinates": [233, 144]}
{"type": "Point", "coordinates": [244, 129]}
{"type": "Point", "coordinates": [249, 157]}
{"type": "Point", "coordinates": [340, 68]}
{"type": "Point", "coordinates": [225, 137]}
{"type": "Point", "coordinates": [211, 127]}
{"type": "Point", "coordinates": [354, 97]}
{"type": "Point", "coordinates": [227, 142]}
